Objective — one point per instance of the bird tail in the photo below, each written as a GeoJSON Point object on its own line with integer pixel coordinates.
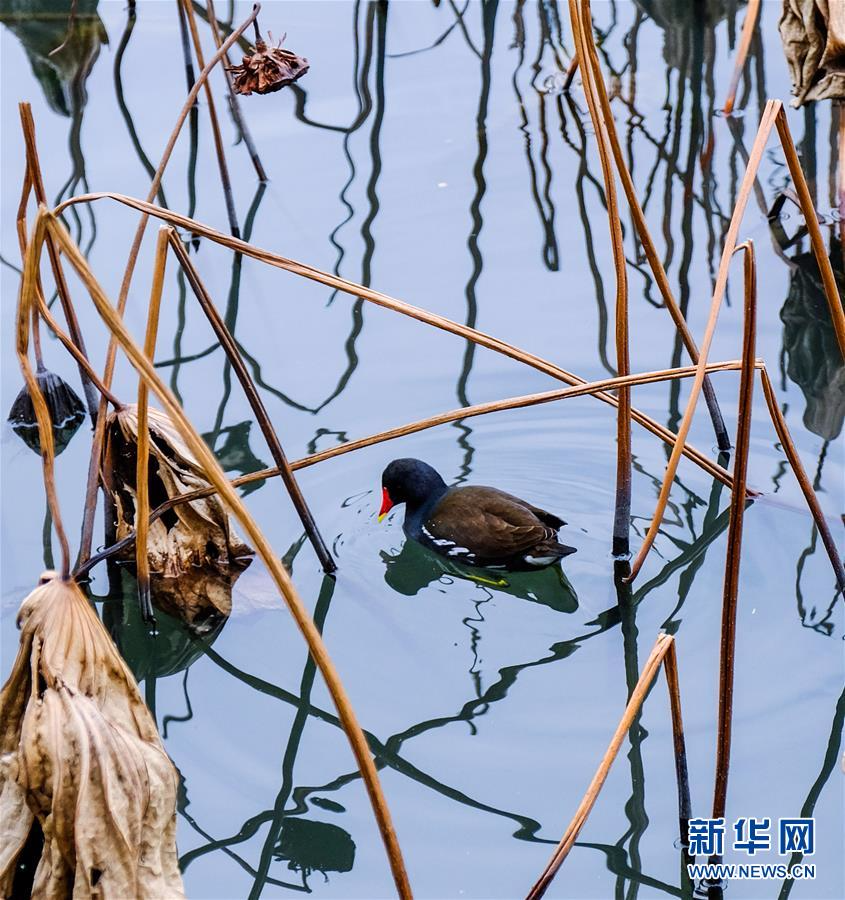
{"type": "Point", "coordinates": [547, 553]}
{"type": "Point", "coordinates": [564, 550]}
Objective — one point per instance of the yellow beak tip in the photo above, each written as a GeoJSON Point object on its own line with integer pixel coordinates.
{"type": "Point", "coordinates": [381, 516]}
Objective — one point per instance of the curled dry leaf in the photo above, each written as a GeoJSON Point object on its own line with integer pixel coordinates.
{"type": "Point", "coordinates": [194, 552]}
{"type": "Point", "coordinates": [66, 412]}
{"type": "Point", "coordinates": [80, 753]}
{"type": "Point", "coordinates": [267, 69]}
{"type": "Point", "coordinates": [813, 35]}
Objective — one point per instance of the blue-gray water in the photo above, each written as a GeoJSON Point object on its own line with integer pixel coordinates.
{"type": "Point", "coordinates": [424, 155]}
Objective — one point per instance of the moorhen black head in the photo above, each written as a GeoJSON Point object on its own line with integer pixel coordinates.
{"type": "Point", "coordinates": [479, 526]}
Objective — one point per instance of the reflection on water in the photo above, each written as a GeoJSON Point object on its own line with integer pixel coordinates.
{"type": "Point", "coordinates": [814, 361]}
{"type": "Point", "coordinates": [415, 567]}
{"type": "Point", "coordinates": [423, 155]}
{"type": "Point", "coordinates": [61, 53]}
{"type": "Point", "coordinates": [235, 453]}
{"type": "Point", "coordinates": [310, 846]}
{"type": "Point", "coordinates": [171, 649]}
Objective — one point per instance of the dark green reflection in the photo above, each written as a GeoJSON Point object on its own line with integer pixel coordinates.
{"type": "Point", "coordinates": [415, 567]}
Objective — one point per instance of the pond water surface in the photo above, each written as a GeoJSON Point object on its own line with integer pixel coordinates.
{"type": "Point", "coordinates": [430, 153]}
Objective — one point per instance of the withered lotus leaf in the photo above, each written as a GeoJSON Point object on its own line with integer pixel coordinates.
{"type": "Point", "coordinates": [267, 69]}
{"type": "Point", "coordinates": [194, 552]}
{"type": "Point", "coordinates": [80, 752]}
{"type": "Point", "coordinates": [813, 36]}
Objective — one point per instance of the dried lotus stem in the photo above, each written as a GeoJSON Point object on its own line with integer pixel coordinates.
{"type": "Point", "coordinates": [234, 103]}
{"type": "Point", "coordinates": [33, 167]}
{"type": "Point", "coordinates": [831, 292]}
{"type": "Point", "coordinates": [581, 24]}
{"type": "Point", "coordinates": [111, 352]}
{"type": "Point", "coordinates": [82, 361]}
{"type": "Point", "coordinates": [804, 482]}
{"type": "Point", "coordinates": [752, 13]}
{"type": "Point", "coordinates": [766, 124]}
{"type": "Point", "coordinates": [255, 402]}
{"type": "Point", "coordinates": [29, 286]}
{"type": "Point", "coordinates": [222, 165]}
{"type": "Point", "coordinates": [733, 554]}
{"type": "Point", "coordinates": [571, 71]}
{"type": "Point", "coordinates": [661, 648]}
{"type": "Point", "coordinates": [380, 299]}
{"type": "Point", "coordinates": [142, 463]}
{"type": "Point", "coordinates": [206, 458]}
{"type": "Point", "coordinates": [464, 412]}
{"type": "Point", "coordinates": [670, 669]}
{"type": "Point", "coordinates": [647, 243]}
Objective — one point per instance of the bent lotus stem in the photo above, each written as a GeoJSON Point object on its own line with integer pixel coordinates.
{"type": "Point", "coordinates": [111, 352]}
{"type": "Point", "coordinates": [773, 116]}
{"type": "Point", "coordinates": [734, 551]}
{"type": "Point", "coordinates": [646, 241]}
{"type": "Point", "coordinates": [82, 361]}
{"type": "Point", "coordinates": [464, 412]}
{"type": "Point", "coordinates": [804, 482]}
{"type": "Point", "coordinates": [766, 125]}
{"type": "Point", "coordinates": [831, 291]}
{"type": "Point", "coordinates": [571, 71]}
{"type": "Point", "coordinates": [379, 299]}
{"type": "Point", "coordinates": [142, 458]}
{"type": "Point", "coordinates": [222, 165]}
{"type": "Point", "coordinates": [582, 24]}
{"type": "Point", "coordinates": [35, 177]}
{"type": "Point", "coordinates": [752, 13]}
{"type": "Point", "coordinates": [662, 646]}
{"type": "Point", "coordinates": [230, 348]}
{"type": "Point", "coordinates": [234, 102]}
{"type": "Point", "coordinates": [26, 297]}
{"type": "Point", "coordinates": [670, 668]}
{"type": "Point", "coordinates": [205, 457]}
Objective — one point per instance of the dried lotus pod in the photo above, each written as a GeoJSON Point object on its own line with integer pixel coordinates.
{"type": "Point", "coordinates": [80, 753]}
{"type": "Point", "coordinates": [194, 553]}
{"type": "Point", "coordinates": [66, 412]}
{"type": "Point", "coordinates": [267, 69]}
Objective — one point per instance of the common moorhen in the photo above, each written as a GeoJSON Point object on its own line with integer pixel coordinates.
{"type": "Point", "coordinates": [479, 526]}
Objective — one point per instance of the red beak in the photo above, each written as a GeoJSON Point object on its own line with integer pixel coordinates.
{"type": "Point", "coordinates": [386, 504]}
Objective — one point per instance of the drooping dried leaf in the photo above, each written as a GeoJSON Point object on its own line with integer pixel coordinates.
{"type": "Point", "coordinates": [267, 69]}
{"type": "Point", "coordinates": [66, 412]}
{"type": "Point", "coordinates": [813, 35]}
{"type": "Point", "coordinates": [194, 552]}
{"type": "Point", "coordinates": [80, 752]}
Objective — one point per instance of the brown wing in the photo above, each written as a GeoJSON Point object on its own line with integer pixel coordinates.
{"type": "Point", "coordinates": [493, 524]}
{"type": "Point", "coordinates": [544, 516]}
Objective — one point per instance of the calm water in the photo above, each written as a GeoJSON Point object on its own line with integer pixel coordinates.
{"type": "Point", "coordinates": [424, 154]}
